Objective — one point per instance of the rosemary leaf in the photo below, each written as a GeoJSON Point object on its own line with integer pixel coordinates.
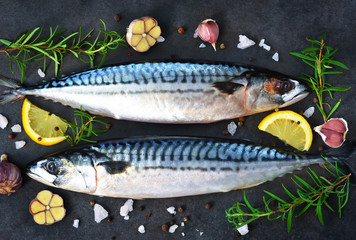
{"type": "Point", "coordinates": [27, 46]}
{"type": "Point", "coordinates": [321, 59]}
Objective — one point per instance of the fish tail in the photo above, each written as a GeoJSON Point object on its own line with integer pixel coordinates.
{"type": "Point", "coordinates": [345, 157]}
{"type": "Point", "coordinates": [11, 94]}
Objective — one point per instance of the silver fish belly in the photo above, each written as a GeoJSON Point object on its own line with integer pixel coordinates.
{"type": "Point", "coordinates": [165, 167]}
{"type": "Point", "coordinates": [171, 92]}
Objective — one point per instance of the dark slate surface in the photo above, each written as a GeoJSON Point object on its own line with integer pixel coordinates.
{"type": "Point", "coordinates": [283, 24]}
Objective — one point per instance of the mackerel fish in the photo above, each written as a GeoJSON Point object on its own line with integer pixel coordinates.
{"type": "Point", "coordinates": [167, 92]}
{"type": "Point", "coordinates": [165, 167]}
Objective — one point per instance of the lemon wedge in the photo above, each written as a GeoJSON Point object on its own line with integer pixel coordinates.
{"type": "Point", "coordinates": [41, 126]}
{"type": "Point", "coordinates": [289, 127]}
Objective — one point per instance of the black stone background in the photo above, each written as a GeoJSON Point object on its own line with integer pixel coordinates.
{"type": "Point", "coordinates": [284, 25]}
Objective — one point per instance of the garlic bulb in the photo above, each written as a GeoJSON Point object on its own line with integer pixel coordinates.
{"type": "Point", "coordinates": [10, 176]}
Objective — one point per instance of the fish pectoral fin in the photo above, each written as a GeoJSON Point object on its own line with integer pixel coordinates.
{"type": "Point", "coordinates": [114, 167]}
{"type": "Point", "coordinates": [227, 87]}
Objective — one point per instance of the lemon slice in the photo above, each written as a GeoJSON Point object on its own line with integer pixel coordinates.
{"type": "Point", "coordinates": [41, 126]}
{"type": "Point", "coordinates": [289, 127]}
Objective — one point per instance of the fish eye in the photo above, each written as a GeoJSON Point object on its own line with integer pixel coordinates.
{"type": "Point", "coordinates": [52, 167]}
{"type": "Point", "coordinates": [285, 86]}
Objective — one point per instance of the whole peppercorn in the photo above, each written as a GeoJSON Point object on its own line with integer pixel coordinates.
{"type": "Point", "coordinates": [180, 209]}
{"type": "Point", "coordinates": [222, 46]}
{"type": "Point", "coordinates": [11, 136]}
{"type": "Point", "coordinates": [165, 227]}
{"type": "Point", "coordinates": [315, 100]}
{"type": "Point", "coordinates": [208, 205]}
{"type": "Point", "coordinates": [185, 219]}
{"type": "Point", "coordinates": [180, 30]}
{"type": "Point", "coordinates": [117, 17]}
{"type": "Point", "coordinates": [225, 132]}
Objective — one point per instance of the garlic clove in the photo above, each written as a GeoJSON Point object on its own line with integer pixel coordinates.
{"type": "Point", "coordinates": [208, 31]}
{"type": "Point", "coordinates": [333, 132]}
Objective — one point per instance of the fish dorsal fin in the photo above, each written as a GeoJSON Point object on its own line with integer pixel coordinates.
{"type": "Point", "coordinates": [229, 87]}
{"type": "Point", "coordinates": [114, 167]}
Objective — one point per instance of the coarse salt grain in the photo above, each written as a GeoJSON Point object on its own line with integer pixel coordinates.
{"type": "Point", "coordinates": [202, 45]}
{"type": "Point", "coordinates": [265, 46]}
{"type": "Point", "coordinates": [245, 42]}
{"type": "Point", "coordinates": [243, 230]}
{"type": "Point", "coordinates": [182, 224]}
{"type": "Point", "coordinates": [160, 39]}
{"type": "Point", "coordinates": [41, 73]}
{"type": "Point", "coordinates": [141, 229]}
{"type": "Point", "coordinates": [231, 128]}
{"type": "Point", "coordinates": [183, 234]}
{"type": "Point", "coordinates": [76, 223]}
{"type": "Point", "coordinates": [173, 228]}
{"type": "Point", "coordinates": [3, 121]}
{"type": "Point", "coordinates": [20, 144]}
{"type": "Point", "coordinates": [99, 213]}
{"type": "Point", "coordinates": [309, 112]}
{"type": "Point", "coordinates": [275, 57]}
{"type": "Point", "coordinates": [16, 128]}
{"type": "Point", "coordinates": [171, 210]}
{"type": "Point", "coordinates": [126, 208]}
{"type": "Point", "coordinates": [201, 233]}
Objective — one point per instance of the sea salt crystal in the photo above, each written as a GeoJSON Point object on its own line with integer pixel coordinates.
{"type": "Point", "coordinates": [99, 213]}
{"type": "Point", "coordinates": [243, 230]}
{"type": "Point", "coordinates": [182, 224]}
{"type": "Point", "coordinates": [202, 45]}
{"type": "Point", "coordinates": [160, 39]}
{"type": "Point", "coordinates": [173, 228]}
{"type": "Point", "coordinates": [141, 229]}
{"type": "Point", "coordinates": [245, 42]}
{"type": "Point", "coordinates": [231, 128]}
{"type": "Point", "coordinates": [171, 210]}
{"type": "Point", "coordinates": [76, 223]}
{"type": "Point", "coordinates": [20, 144]}
{"type": "Point", "coordinates": [201, 233]}
{"type": "Point", "coordinates": [41, 73]}
{"type": "Point", "coordinates": [183, 234]}
{"type": "Point", "coordinates": [275, 57]}
{"type": "Point", "coordinates": [126, 208]}
{"type": "Point", "coordinates": [16, 128]}
{"type": "Point", "coordinates": [309, 112]}
{"type": "Point", "coordinates": [265, 46]}
{"type": "Point", "coordinates": [3, 121]}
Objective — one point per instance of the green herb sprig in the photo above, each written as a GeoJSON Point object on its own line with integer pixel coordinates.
{"type": "Point", "coordinates": [321, 58]}
{"type": "Point", "coordinates": [85, 128]}
{"type": "Point", "coordinates": [28, 47]}
{"type": "Point", "coordinates": [307, 196]}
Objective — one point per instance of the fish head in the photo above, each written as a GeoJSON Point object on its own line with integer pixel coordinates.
{"type": "Point", "coordinates": [268, 91]}
{"type": "Point", "coordinates": [71, 171]}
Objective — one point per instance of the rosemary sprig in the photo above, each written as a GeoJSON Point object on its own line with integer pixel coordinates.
{"type": "Point", "coordinates": [321, 58]}
{"type": "Point", "coordinates": [307, 196]}
{"type": "Point", "coordinates": [85, 129]}
{"type": "Point", "coordinates": [28, 47]}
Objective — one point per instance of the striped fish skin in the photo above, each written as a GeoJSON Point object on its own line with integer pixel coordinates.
{"type": "Point", "coordinates": [165, 167]}
{"type": "Point", "coordinates": [171, 92]}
